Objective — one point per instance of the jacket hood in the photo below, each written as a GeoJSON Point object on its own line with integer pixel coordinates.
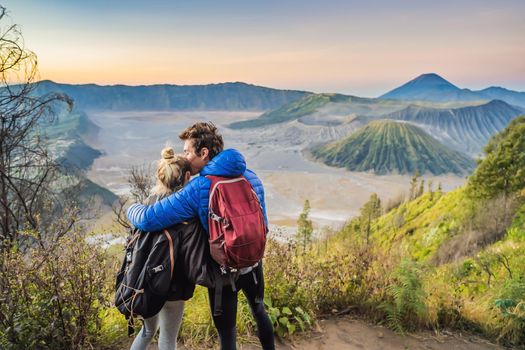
{"type": "Point", "coordinates": [229, 163]}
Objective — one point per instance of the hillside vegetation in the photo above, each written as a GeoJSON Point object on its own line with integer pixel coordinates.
{"type": "Point", "coordinates": [388, 146]}
{"type": "Point", "coordinates": [292, 111]}
{"type": "Point", "coordinates": [435, 260]}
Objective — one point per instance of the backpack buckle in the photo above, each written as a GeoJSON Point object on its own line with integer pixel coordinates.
{"type": "Point", "coordinates": [215, 217]}
{"type": "Point", "coordinates": [158, 268]}
{"type": "Point", "coordinates": [225, 270]}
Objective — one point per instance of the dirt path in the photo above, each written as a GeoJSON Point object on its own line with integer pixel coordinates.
{"type": "Point", "coordinates": [347, 333]}
{"type": "Point", "coordinates": [351, 334]}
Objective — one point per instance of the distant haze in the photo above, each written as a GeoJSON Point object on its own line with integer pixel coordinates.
{"type": "Point", "coordinates": [355, 47]}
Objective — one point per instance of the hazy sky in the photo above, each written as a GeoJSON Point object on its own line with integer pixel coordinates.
{"type": "Point", "coordinates": [359, 47]}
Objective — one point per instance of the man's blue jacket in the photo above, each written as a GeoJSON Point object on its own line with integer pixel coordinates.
{"type": "Point", "coordinates": [192, 201]}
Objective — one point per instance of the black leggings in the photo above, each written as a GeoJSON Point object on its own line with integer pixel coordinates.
{"type": "Point", "coordinates": [225, 323]}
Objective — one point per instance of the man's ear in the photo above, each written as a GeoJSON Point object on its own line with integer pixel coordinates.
{"type": "Point", "coordinates": [205, 152]}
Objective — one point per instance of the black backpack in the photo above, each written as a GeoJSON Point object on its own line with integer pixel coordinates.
{"type": "Point", "coordinates": [200, 267]}
{"type": "Point", "coordinates": [145, 280]}
{"type": "Point", "coordinates": [143, 283]}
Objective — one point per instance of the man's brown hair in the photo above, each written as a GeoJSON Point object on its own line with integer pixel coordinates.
{"type": "Point", "coordinates": [204, 134]}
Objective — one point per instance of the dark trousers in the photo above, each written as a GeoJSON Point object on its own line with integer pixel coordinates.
{"type": "Point", "coordinates": [254, 292]}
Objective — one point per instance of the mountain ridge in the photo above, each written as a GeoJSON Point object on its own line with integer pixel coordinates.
{"type": "Point", "coordinates": [220, 96]}
{"type": "Point", "coordinates": [331, 104]}
{"type": "Point", "coordinates": [466, 129]}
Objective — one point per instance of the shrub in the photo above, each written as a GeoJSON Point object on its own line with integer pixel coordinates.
{"type": "Point", "coordinates": [478, 230]}
{"type": "Point", "coordinates": [57, 289]}
{"type": "Point", "coordinates": [286, 320]}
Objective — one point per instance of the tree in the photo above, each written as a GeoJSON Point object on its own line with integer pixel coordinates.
{"type": "Point", "coordinates": [413, 186]}
{"type": "Point", "coordinates": [439, 190]}
{"type": "Point", "coordinates": [51, 278]}
{"type": "Point", "coordinates": [371, 210]}
{"type": "Point", "coordinates": [26, 166]}
{"type": "Point", "coordinates": [304, 226]}
{"type": "Point", "coordinates": [501, 174]}
{"type": "Point", "coordinates": [141, 181]}
{"type": "Point", "coordinates": [431, 189]}
{"type": "Point", "coordinates": [421, 190]}
{"type": "Point", "coordinates": [502, 171]}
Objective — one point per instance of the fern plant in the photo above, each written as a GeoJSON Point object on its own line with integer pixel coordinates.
{"type": "Point", "coordinates": [405, 306]}
{"type": "Point", "coordinates": [511, 305]}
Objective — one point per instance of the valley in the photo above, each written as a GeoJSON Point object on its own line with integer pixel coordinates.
{"type": "Point", "coordinates": [273, 152]}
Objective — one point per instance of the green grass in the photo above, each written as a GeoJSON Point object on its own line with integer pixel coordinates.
{"type": "Point", "coordinates": [419, 227]}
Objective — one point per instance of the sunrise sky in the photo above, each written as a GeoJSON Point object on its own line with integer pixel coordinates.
{"type": "Point", "coordinates": [359, 47]}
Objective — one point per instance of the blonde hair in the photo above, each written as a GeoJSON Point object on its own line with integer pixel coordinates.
{"type": "Point", "coordinates": [171, 170]}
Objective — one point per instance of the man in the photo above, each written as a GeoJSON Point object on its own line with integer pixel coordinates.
{"type": "Point", "coordinates": [203, 147]}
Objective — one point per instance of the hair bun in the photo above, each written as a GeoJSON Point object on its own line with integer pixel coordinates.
{"type": "Point", "coordinates": [168, 153]}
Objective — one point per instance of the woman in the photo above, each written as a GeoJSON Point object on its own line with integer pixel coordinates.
{"type": "Point", "coordinates": [173, 172]}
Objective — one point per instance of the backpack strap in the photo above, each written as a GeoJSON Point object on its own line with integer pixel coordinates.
{"type": "Point", "coordinates": [232, 281]}
{"type": "Point", "coordinates": [219, 285]}
{"type": "Point", "coordinates": [131, 326]}
{"type": "Point", "coordinates": [217, 309]}
{"type": "Point", "coordinates": [172, 258]}
{"type": "Point", "coordinates": [132, 239]}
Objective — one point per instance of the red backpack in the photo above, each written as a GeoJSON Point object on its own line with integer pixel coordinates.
{"type": "Point", "coordinates": [236, 223]}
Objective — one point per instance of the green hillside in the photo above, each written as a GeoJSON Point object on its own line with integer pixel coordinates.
{"type": "Point", "coordinates": [337, 104]}
{"type": "Point", "coordinates": [387, 146]}
{"type": "Point", "coordinates": [291, 111]}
